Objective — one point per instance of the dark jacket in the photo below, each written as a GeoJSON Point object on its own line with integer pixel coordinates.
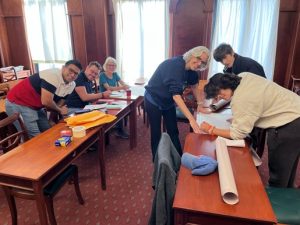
{"type": "Point", "coordinates": [245, 64]}
{"type": "Point", "coordinates": [166, 166]}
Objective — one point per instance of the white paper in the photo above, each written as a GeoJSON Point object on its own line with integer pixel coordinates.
{"type": "Point", "coordinates": [227, 183]}
{"type": "Point", "coordinates": [117, 94]}
{"type": "Point", "coordinates": [219, 120]}
{"type": "Point", "coordinates": [95, 107]}
{"type": "Point", "coordinates": [233, 143]}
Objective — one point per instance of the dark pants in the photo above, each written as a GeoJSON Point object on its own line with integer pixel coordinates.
{"type": "Point", "coordinates": [284, 152]}
{"type": "Point", "coordinates": [169, 116]}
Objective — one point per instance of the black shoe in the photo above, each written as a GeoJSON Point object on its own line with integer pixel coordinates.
{"type": "Point", "coordinates": [122, 134]}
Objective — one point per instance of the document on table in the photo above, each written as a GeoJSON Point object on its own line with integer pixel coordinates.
{"type": "Point", "coordinates": [95, 107]}
{"type": "Point", "coordinates": [219, 120]}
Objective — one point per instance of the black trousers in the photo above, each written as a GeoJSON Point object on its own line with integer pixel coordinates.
{"type": "Point", "coordinates": [155, 115]}
{"type": "Point", "coordinates": [284, 151]}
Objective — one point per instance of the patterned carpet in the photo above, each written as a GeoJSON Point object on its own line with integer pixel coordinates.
{"type": "Point", "coordinates": [127, 200]}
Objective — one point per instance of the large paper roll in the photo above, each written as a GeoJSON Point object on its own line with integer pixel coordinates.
{"type": "Point", "coordinates": [227, 184]}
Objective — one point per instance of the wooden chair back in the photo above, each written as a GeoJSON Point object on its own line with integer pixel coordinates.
{"type": "Point", "coordinates": [10, 137]}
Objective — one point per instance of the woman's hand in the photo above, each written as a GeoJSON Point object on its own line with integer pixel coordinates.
{"type": "Point", "coordinates": [205, 127]}
{"type": "Point", "coordinates": [195, 126]}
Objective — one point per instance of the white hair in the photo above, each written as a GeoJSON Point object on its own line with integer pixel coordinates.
{"type": "Point", "coordinates": [109, 60]}
{"type": "Point", "coordinates": [196, 52]}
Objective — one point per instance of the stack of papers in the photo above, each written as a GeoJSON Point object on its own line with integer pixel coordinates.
{"type": "Point", "coordinates": [95, 107]}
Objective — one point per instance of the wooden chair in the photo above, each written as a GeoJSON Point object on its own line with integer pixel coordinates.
{"type": "Point", "coordinates": [10, 138]}
{"type": "Point", "coordinates": [295, 84]}
{"type": "Point", "coordinates": [4, 88]}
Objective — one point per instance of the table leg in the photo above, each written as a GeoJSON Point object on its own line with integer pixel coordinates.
{"type": "Point", "coordinates": [12, 205]}
{"type": "Point", "coordinates": [40, 202]}
{"type": "Point", "coordinates": [101, 149]}
{"type": "Point", "coordinates": [133, 125]}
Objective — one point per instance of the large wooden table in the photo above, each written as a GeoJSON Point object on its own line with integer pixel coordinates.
{"type": "Point", "coordinates": [35, 163]}
{"type": "Point", "coordinates": [198, 198]}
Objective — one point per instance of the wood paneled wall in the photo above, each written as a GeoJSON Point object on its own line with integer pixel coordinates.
{"type": "Point", "coordinates": [13, 40]}
{"type": "Point", "coordinates": [89, 30]}
{"type": "Point", "coordinates": [190, 25]}
{"type": "Point", "coordinates": [288, 43]}
{"type": "Point", "coordinates": [93, 33]}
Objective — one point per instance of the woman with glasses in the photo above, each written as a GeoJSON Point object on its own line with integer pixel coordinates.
{"type": "Point", "coordinates": [164, 91]}
{"type": "Point", "coordinates": [111, 81]}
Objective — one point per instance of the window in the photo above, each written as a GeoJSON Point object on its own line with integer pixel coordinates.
{"type": "Point", "coordinates": [250, 27]}
{"type": "Point", "coordinates": [142, 41]}
{"type": "Point", "coordinates": [48, 32]}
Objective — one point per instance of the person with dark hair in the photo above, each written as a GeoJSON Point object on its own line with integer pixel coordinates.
{"type": "Point", "coordinates": [47, 89]}
{"type": "Point", "coordinates": [83, 93]}
{"type": "Point", "coordinates": [258, 102]}
{"type": "Point", "coordinates": [165, 88]}
{"type": "Point", "coordinates": [235, 63]}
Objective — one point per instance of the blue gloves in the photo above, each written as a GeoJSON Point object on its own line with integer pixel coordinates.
{"type": "Point", "coordinates": [200, 165]}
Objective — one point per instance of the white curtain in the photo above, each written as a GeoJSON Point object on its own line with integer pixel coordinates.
{"type": "Point", "coordinates": [48, 31]}
{"type": "Point", "coordinates": [142, 37]}
{"type": "Point", "coordinates": [250, 27]}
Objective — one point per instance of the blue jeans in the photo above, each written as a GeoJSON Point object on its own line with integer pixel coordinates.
{"type": "Point", "coordinates": [35, 121]}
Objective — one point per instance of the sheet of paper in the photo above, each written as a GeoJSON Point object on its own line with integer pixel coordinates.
{"type": "Point", "coordinates": [233, 143]}
{"type": "Point", "coordinates": [117, 94]}
{"type": "Point", "coordinates": [219, 120]}
{"type": "Point", "coordinates": [95, 107]}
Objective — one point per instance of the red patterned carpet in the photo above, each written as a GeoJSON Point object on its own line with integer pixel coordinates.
{"type": "Point", "coordinates": [127, 200]}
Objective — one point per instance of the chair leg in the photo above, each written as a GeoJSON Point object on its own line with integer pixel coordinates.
{"type": "Point", "coordinates": [76, 186]}
{"type": "Point", "coordinates": [50, 209]}
{"type": "Point", "coordinates": [12, 205]}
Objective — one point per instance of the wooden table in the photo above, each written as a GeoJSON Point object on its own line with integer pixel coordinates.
{"type": "Point", "coordinates": [198, 198]}
{"type": "Point", "coordinates": [35, 163]}
{"type": "Point", "coordinates": [130, 110]}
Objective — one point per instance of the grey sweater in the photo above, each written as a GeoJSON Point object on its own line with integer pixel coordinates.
{"type": "Point", "coordinates": [166, 166]}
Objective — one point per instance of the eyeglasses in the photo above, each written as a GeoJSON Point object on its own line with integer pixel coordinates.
{"type": "Point", "coordinates": [203, 64]}
{"type": "Point", "coordinates": [111, 65]}
{"type": "Point", "coordinates": [73, 71]}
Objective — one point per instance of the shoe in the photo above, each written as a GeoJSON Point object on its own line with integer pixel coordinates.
{"type": "Point", "coordinates": [122, 134]}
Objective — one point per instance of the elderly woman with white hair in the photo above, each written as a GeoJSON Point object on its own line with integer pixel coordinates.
{"type": "Point", "coordinates": [109, 79]}
{"type": "Point", "coordinates": [164, 90]}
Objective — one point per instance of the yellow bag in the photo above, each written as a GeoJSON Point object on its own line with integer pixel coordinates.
{"type": "Point", "coordinates": [90, 119]}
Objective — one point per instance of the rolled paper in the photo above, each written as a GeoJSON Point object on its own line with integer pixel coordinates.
{"type": "Point", "coordinates": [218, 105]}
{"type": "Point", "coordinates": [79, 131]}
{"type": "Point", "coordinates": [227, 184]}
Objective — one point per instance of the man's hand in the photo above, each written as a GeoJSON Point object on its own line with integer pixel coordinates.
{"type": "Point", "coordinates": [106, 94]}
{"type": "Point", "coordinates": [64, 110]}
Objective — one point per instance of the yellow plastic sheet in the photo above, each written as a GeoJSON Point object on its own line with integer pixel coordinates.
{"type": "Point", "coordinates": [90, 119]}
